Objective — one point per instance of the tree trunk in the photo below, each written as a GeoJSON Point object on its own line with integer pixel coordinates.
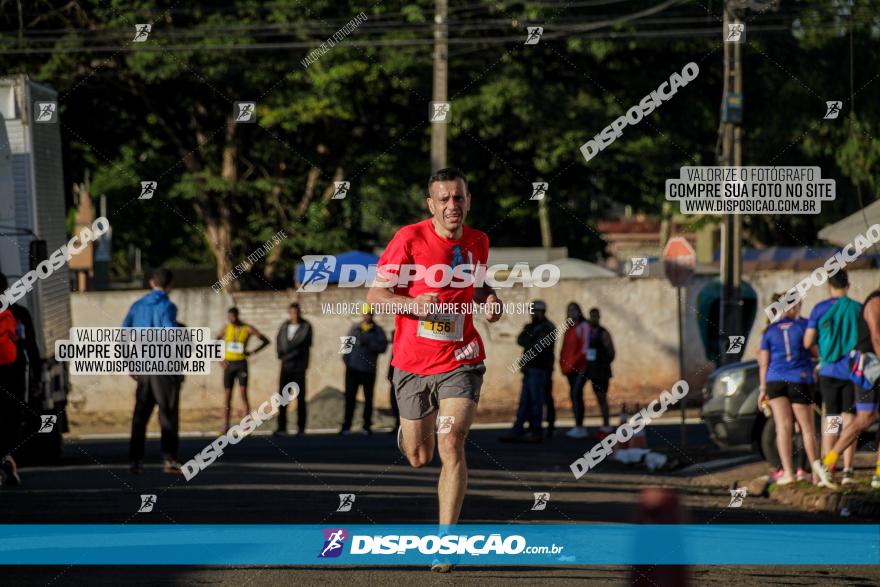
{"type": "Point", "coordinates": [216, 213]}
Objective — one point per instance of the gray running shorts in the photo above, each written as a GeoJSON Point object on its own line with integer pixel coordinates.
{"type": "Point", "coordinates": [420, 395]}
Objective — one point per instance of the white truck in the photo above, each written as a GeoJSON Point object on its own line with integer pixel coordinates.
{"type": "Point", "coordinates": [32, 223]}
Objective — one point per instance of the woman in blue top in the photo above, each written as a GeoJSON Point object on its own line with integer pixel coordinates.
{"type": "Point", "coordinates": [785, 372]}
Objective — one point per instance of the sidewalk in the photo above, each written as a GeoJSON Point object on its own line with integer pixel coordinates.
{"type": "Point", "coordinates": [858, 500]}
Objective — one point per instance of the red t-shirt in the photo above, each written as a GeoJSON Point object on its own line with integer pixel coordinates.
{"type": "Point", "coordinates": [414, 351]}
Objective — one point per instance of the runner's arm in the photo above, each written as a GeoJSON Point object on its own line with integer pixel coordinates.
{"type": "Point", "coordinates": [264, 342]}
{"type": "Point", "coordinates": [872, 317]}
{"type": "Point", "coordinates": [379, 295]}
{"type": "Point", "coordinates": [763, 363]}
{"type": "Point", "coordinates": [809, 338]}
{"type": "Point", "coordinates": [486, 295]}
{"type": "Point", "coordinates": [609, 344]}
{"type": "Point", "coordinates": [525, 337]}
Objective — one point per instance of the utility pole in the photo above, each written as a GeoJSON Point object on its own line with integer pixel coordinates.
{"type": "Point", "coordinates": [441, 81]}
{"type": "Point", "coordinates": [544, 223]}
{"type": "Point", "coordinates": [731, 155]}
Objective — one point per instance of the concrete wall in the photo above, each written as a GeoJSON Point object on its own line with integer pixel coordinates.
{"type": "Point", "coordinates": [639, 313]}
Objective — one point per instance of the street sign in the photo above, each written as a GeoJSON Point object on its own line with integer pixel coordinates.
{"type": "Point", "coordinates": [679, 261]}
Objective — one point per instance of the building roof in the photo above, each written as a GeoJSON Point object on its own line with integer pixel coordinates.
{"type": "Point", "coordinates": [844, 231]}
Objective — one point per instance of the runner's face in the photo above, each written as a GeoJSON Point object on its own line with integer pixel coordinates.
{"type": "Point", "coordinates": [449, 203]}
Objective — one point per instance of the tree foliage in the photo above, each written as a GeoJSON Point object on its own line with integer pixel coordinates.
{"type": "Point", "coordinates": [162, 110]}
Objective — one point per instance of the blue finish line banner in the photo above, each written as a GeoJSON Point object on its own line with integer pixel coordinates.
{"type": "Point", "coordinates": [525, 544]}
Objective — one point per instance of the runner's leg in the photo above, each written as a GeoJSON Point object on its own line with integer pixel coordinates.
{"type": "Point", "coordinates": [418, 439]}
{"type": "Point", "coordinates": [244, 400]}
{"type": "Point", "coordinates": [782, 417]}
{"type": "Point", "coordinates": [849, 455]}
{"type": "Point", "coordinates": [831, 404]}
{"type": "Point", "coordinates": [600, 388]}
{"type": "Point", "coordinates": [803, 413]}
{"type": "Point", "coordinates": [548, 401]}
{"type": "Point", "coordinates": [577, 382]}
{"type": "Point", "coordinates": [228, 411]}
{"type": "Point", "coordinates": [861, 422]}
{"type": "Point", "coordinates": [368, 380]}
{"type": "Point", "coordinates": [351, 388]}
{"type": "Point", "coordinates": [453, 473]}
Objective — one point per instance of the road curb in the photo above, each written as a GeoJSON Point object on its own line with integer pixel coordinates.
{"type": "Point", "coordinates": [856, 501]}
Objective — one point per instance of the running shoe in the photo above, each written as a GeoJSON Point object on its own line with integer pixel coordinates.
{"type": "Point", "coordinates": [344, 432]}
{"type": "Point", "coordinates": [801, 475]}
{"type": "Point", "coordinates": [875, 482]}
{"type": "Point", "coordinates": [440, 567]}
{"type": "Point", "coordinates": [577, 432]}
{"type": "Point", "coordinates": [136, 468]}
{"type": "Point", "coordinates": [171, 466]}
{"type": "Point", "coordinates": [785, 480]}
{"type": "Point", "coordinates": [823, 475]}
{"type": "Point", "coordinates": [849, 477]}
{"type": "Point", "coordinates": [10, 472]}
{"type": "Point", "coordinates": [776, 475]}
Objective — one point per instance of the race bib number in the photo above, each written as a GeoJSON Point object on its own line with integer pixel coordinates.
{"type": "Point", "coordinates": [235, 347]}
{"type": "Point", "coordinates": [448, 327]}
{"type": "Point", "coordinates": [591, 354]}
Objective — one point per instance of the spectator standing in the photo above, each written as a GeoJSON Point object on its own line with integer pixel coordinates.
{"type": "Point", "coordinates": [537, 370]}
{"type": "Point", "coordinates": [155, 310]}
{"type": "Point", "coordinates": [292, 344]}
{"type": "Point", "coordinates": [865, 397]}
{"type": "Point", "coordinates": [360, 369]}
{"type": "Point", "coordinates": [395, 409]}
{"type": "Point", "coordinates": [20, 370]}
{"type": "Point", "coordinates": [235, 336]}
{"type": "Point", "coordinates": [833, 326]}
{"type": "Point", "coordinates": [600, 355]}
{"type": "Point", "coordinates": [573, 362]}
{"type": "Point", "coordinates": [869, 342]}
{"type": "Point", "coordinates": [785, 376]}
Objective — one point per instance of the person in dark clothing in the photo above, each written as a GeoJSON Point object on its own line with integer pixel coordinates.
{"type": "Point", "coordinates": [393, 400]}
{"type": "Point", "coordinates": [537, 340]}
{"type": "Point", "coordinates": [16, 378]}
{"type": "Point", "coordinates": [573, 363]}
{"type": "Point", "coordinates": [292, 344]}
{"type": "Point", "coordinates": [600, 354]}
{"type": "Point", "coordinates": [869, 342]}
{"type": "Point", "coordinates": [360, 369]}
{"type": "Point", "coordinates": [155, 310]}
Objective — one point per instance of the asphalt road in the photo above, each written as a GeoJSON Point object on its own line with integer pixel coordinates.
{"type": "Point", "coordinates": [267, 480]}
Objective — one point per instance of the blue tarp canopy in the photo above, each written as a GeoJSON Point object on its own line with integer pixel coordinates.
{"type": "Point", "coordinates": [784, 253]}
{"type": "Point", "coordinates": [360, 258]}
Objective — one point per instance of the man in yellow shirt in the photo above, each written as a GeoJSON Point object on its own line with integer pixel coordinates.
{"type": "Point", "coordinates": [235, 337]}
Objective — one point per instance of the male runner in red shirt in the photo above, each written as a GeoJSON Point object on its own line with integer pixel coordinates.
{"type": "Point", "coordinates": [438, 358]}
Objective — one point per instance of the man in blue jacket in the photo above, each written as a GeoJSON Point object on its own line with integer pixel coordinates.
{"type": "Point", "coordinates": [155, 310]}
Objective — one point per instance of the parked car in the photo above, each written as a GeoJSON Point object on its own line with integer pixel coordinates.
{"type": "Point", "coordinates": [730, 411]}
